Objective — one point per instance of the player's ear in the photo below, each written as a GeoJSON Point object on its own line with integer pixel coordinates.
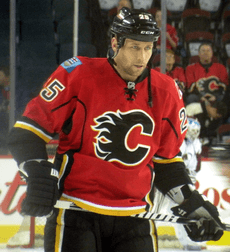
{"type": "Point", "coordinates": [114, 44]}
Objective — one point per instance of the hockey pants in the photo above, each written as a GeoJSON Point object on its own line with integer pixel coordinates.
{"type": "Point", "coordinates": [79, 231]}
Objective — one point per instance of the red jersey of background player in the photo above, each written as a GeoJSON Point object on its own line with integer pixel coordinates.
{"type": "Point", "coordinates": [177, 73]}
{"type": "Point", "coordinates": [206, 80]}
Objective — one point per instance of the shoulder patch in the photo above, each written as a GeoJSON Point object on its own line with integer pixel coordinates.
{"type": "Point", "coordinates": [70, 64]}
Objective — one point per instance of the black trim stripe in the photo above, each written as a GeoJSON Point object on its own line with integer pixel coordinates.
{"type": "Point", "coordinates": [170, 123]}
{"type": "Point", "coordinates": [64, 104]}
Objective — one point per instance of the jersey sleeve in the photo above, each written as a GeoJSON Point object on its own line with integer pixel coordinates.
{"type": "Point", "coordinates": [44, 116]}
{"type": "Point", "coordinates": [173, 125]}
{"type": "Point", "coordinates": [168, 163]}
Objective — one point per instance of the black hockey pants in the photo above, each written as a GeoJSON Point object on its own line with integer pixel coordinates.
{"type": "Point", "coordinates": [79, 231]}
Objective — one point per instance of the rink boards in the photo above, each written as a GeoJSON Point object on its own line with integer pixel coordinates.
{"type": "Point", "coordinates": [213, 181]}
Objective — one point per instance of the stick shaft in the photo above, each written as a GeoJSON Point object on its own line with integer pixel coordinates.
{"type": "Point", "coordinates": [146, 215]}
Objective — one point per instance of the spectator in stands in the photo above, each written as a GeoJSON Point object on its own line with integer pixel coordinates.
{"type": "Point", "coordinates": [4, 87]}
{"type": "Point", "coordinates": [205, 79]}
{"type": "Point", "coordinates": [4, 107]}
{"type": "Point", "coordinates": [124, 3]}
{"type": "Point", "coordinates": [113, 12]}
{"type": "Point", "coordinates": [171, 33]}
{"type": "Point", "coordinates": [210, 116]}
{"type": "Point", "coordinates": [173, 70]}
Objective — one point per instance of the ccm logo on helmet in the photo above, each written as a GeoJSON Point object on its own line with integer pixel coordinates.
{"type": "Point", "coordinates": [147, 32]}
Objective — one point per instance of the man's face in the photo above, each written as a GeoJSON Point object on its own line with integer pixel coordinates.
{"type": "Point", "coordinates": [158, 18]}
{"type": "Point", "coordinates": [205, 54]}
{"type": "Point", "coordinates": [132, 58]}
{"type": "Point", "coordinates": [170, 60]}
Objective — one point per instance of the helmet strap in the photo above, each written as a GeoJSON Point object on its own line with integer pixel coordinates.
{"type": "Point", "coordinates": [120, 43]}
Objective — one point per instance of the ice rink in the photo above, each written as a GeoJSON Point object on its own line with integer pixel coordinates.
{"type": "Point", "coordinates": [211, 249]}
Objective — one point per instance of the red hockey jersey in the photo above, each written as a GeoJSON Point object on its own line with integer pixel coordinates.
{"type": "Point", "coordinates": [173, 34]}
{"type": "Point", "coordinates": [206, 80]}
{"type": "Point", "coordinates": [106, 142]}
{"type": "Point", "coordinates": [177, 73]}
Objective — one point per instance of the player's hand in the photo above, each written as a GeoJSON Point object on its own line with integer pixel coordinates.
{"type": "Point", "coordinates": [203, 230]}
{"type": "Point", "coordinates": [209, 226]}
{"type": "Point", "coordinates": [42, 189]}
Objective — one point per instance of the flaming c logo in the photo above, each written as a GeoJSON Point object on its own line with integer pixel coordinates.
{"type": "Point", "coordinates": [114, 135]}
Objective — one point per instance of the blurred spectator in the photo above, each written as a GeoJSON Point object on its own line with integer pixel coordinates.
{"type": "Point", "coordinates": [4, 107]}
{"type": "Point", "coordinates": [209, 115]}
{"type": "Point", "coordinates": [205, 79]}
{"type": "Point", "coordinates": [171, 33]}
{"type": "Point", "coordinates": [114, 11]}
{"type": "Point", "coordinates": [124, 3]}
{"type": "Point", "coordinates": [4, 88]}
{"type": "Point", "coordinates": [173, 70]}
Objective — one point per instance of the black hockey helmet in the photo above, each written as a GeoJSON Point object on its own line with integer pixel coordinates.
{"type": "Point", "coordinates": [135, 24]}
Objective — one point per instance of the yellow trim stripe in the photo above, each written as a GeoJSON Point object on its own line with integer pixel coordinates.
{"type": "Point", "coordinates": [59, 231]}
{"type": "Point", "coordinates": [113, 211]}
{"type": "Point", "coordinates": [153, 234]}
{"type": "Point", "coordinates": [33, 129]}
{"type": "Point", "coordinates": [167, 161]}
{"type": "Point", "coordinates": [147, 199]}
{"type": "Point", "coordinates": [63, 165]}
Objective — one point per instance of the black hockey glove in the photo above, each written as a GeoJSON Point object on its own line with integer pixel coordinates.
{"type": "Point", "coordinates": [209, 226]}
{"type": "Point", "coordinates": [42, 189]}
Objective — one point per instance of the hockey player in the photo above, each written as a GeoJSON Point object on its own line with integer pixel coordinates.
{"type": "Point", "coordinates": [113, 116]}
{"type": "Point", "coordinates": [191, 148]}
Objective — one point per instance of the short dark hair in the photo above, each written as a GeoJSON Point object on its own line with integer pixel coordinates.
{"type": "Point", "coordinates": [170, 51]}
{"type": "Point", "coordinates": [205, 43]}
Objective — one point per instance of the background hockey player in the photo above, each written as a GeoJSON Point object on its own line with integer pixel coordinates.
{"type": "Point", "coordinates": [191, 149]}
{"type": "Point", "coordinates": [115, 117]}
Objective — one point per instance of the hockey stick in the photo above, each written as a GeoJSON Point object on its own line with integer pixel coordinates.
{"type": "Point", "coordinates": [172, 219]}
{"type": "Point", "coordinates": [151, 216]}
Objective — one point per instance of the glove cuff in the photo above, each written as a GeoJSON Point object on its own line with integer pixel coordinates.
{"type": "Point", "coordinates": [22, 170]}
{"type": "Point", "coordinates": [180, 193]}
